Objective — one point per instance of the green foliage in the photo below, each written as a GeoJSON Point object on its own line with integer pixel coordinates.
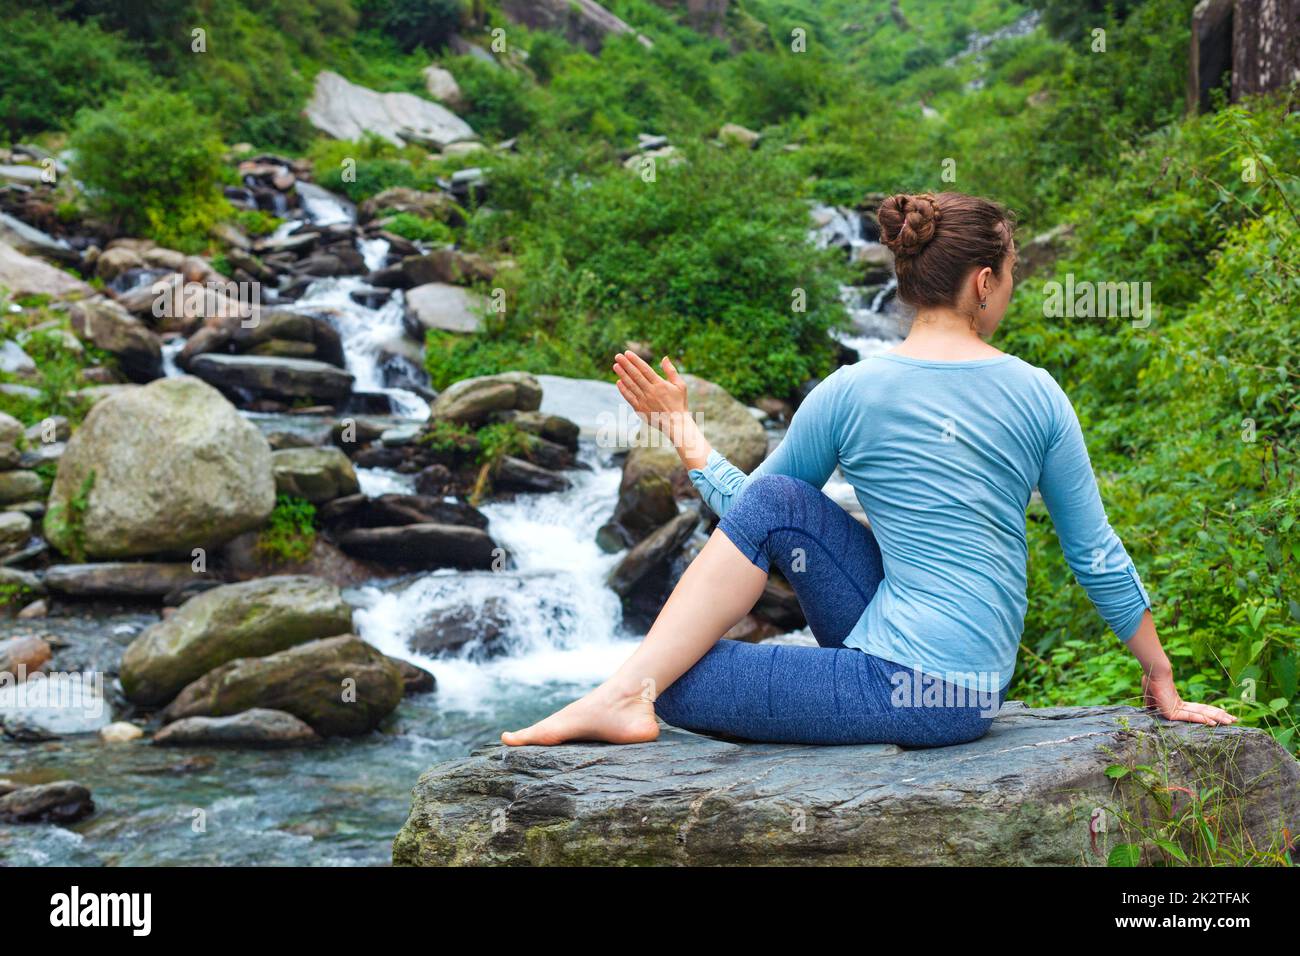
{"type": "Point", "coordinates": [290, 532]}
{"type": "Point", "coordinates": [709, 261]}
{"type": "Point", "coordinates": [415, 23]}
{"type": "Point", "coordinates": [418, 229]}
{"type": "Point", "coordinates": [498, 102]}
{"type": "Point", "coordinates": [361, 170]}
{"type": "Point", "coordinates": [256, 222]}
{"type": "Point", "coordinates": [1192, 423]}
{"type": "Point", "coordinates": [47, 339]}
{"type": "Point", "coordinates": [51, 67]}
{"type": "Point", "coordinates": [72, 518]}
{"type": "Point", "coordinates": [448, 438]}
{"type": "Point", "coordinates": [152, 165]}
{"type": "Point", "coordinates": [500, 439]}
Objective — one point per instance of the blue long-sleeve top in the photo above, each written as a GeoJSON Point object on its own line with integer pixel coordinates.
{"type": "Point", "coordinates": [943, 457]}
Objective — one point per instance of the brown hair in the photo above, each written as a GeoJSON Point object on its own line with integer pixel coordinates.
{"type": "Point", "coordinates": [938, 239]}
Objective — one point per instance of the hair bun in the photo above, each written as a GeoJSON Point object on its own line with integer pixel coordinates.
{"type": "Point", "coordinates": [907, 222]}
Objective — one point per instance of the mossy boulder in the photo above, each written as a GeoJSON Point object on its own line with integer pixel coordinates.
{"type": "Point", "coordinates": [159, 469]}
{"type": "Point", "coordinates": [339, 686]}
{"type": "Point", "coordinates": [238, 620]}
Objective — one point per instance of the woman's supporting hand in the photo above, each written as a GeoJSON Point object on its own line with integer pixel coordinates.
{"type": "Point", "coordinates": [1158, 690]}
{"type": "Point", "coordinates": [1160, 694]}
{"type": "Point", "coordinates": [661, 404]}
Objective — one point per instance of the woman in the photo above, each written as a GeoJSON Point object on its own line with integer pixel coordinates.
{"type": "Point", "coordinates": [918, 618]}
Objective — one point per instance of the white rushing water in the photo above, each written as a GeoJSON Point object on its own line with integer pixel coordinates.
{"type": "Point", "coordinates": [561, 623]}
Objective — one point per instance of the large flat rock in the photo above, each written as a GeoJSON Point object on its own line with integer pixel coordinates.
{"type": "Point", "coordinates": [1025, 794]}
{"type": "Point", "coordinates": [347, 111]}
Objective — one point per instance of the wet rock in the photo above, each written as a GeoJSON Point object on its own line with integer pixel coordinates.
{"type": "Point", "coordinates": [780, 605]}
{"type": "Point", "coordinates": [359, 511]}
{"type": "Point", "coordinates": [23, 655]}
{"type": "Point", "coordinates": [448, 632]}
{"type": "Point", "coordinates": [284, 378]}
{"type": "Point", "coordinates": [340, 686]}
{"type": "Point", "coordinates": [238, 620]}
{"type": "Point", "coordinates": [447, 266]}
{"type": "Point", "coordinates": [119, 579]}
{"type": "Point", "coordinates": [15, 530]}
{"type": "Point", "coordinates": [120, 733]}
{"type": "Point", "coordinates": [1022, 795]}
{"type": "Point", "coordinates": [515, 474]}
{"type": "Point", "coordinates": [258, 727]}
{"type": "Point", "coordinates": [652, 553]}
{"type": "Point", "coordinates": [242, 559]}
{"type": "Point", "coordinates": [274, 325]}
{"type": "Point", "coordinates": [60, 802]}
{"type": "Point", "coordinates": [415, 680]}
{"type": "Point", "coordinates": [473, 400]}
{"type": "Point", "coordinates": [174, 448]}
{"type": "Point", "coordinates": [424, 546]}
{"type": "Point", "coordinates": [16, 486]}
{"type": "Point", "coordinates": [645, 502]}
{"type": "Point", "coordinates": [317, 474]}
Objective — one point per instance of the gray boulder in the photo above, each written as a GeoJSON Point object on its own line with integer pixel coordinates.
{"type": "Point", "coordinates": [106, 325]}
{"type": "Point", "coordinates": [275, 376]}
{"type": "Point", "coordinates": [15, 530]}
{"type": "Point", "coordinates": [16, 486]}
{"type": "Point", "coordinates": [472, 400]}
{"type": "Point", "coordinates": [255, 728]}
{"type": "Point", "coordinates": [249, 619]}
{"type": "Point", "coordinates": [347, 111]}
{"type": "Point", "coordinates": [125, 579]}
{"type": "Point", "coordinates": [339, 686]}
{"type": "Point", "coordinates": [60, 802]}
{"type": "Point", "coordinates": [1023, 795]}
{"type": "Point", "coordinates": [317, 474]}
{"type": "Point", "coordinates": [657, 548]}
{"type": "Point", "coordinates": [446, 308]}
{"type": "Point", "coordinates": [162, 468]}
{"type": "Point", "coordinates": [424, 546]}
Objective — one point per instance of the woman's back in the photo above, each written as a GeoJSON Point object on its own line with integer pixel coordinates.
{"type": "Point", "coordinates": [943, 457]}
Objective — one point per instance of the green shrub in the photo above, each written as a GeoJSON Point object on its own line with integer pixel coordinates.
{"type": "Point", "coordinates": [418, 229]}
{"type": "Point", "coordinates": [51, 67]}
{"type": "Point", "coordinates": [290, 532]}
{"type": "Point", "coordinates": [152, 166]}
{"type": "Point", "coordinates": [415, 23]}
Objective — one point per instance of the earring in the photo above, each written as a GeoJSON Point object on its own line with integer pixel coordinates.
{"type": "Point", "coordinates": [983, 305]}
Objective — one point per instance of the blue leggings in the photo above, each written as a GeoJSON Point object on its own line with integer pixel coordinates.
{"type": "Point", "coordinates": [830, 694]}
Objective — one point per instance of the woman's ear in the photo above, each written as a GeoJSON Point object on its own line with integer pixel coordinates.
{"type": "Point", "coordinates": [983, 283]}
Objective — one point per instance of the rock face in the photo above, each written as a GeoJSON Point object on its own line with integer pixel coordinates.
{"type": "Point", "coordinates": [340, 686]}
{"type": "Point", "coordinates": [317, 474]}
{"type": "Point", "coordinates": [161, 468]}
{"type": "Point", "coordinates": [108, 326]}
{"type": "Point", "coordinates": [251, 728]}
{"type": "Point", "coordinates": [275, 376]}
{"type": "Point", "coordinates": [23, 276]}
{"type": "Point", "coordinates": [347, 111]}
{"type": "Point", "coordinates": [471, 400]}
{"type": "Point", "coordinates": [583, 22]}
{"type": "Point", "coordinates": [239, 620]}
{"type": "Point", "coordinates": [1022, 795]}
{"type": "Point", "coordinates": [446, 308]}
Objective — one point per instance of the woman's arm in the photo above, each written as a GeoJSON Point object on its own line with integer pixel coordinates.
{"type": "Point", "coordinates": [1158, 690]}
{"type": "Point", "coordinates": [808, 451]}
{"type": "Point", "coordinates": [1100, 563]}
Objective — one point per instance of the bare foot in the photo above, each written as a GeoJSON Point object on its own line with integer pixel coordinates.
{"type": "Point", "coordinates": [601, 715]}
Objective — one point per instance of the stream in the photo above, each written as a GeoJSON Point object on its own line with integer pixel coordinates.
{"type": "Point", "coordinates": [341, 803]}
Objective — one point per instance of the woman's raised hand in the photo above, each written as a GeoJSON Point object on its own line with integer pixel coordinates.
{"type": "Point", "coordinates": [661, 403]}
